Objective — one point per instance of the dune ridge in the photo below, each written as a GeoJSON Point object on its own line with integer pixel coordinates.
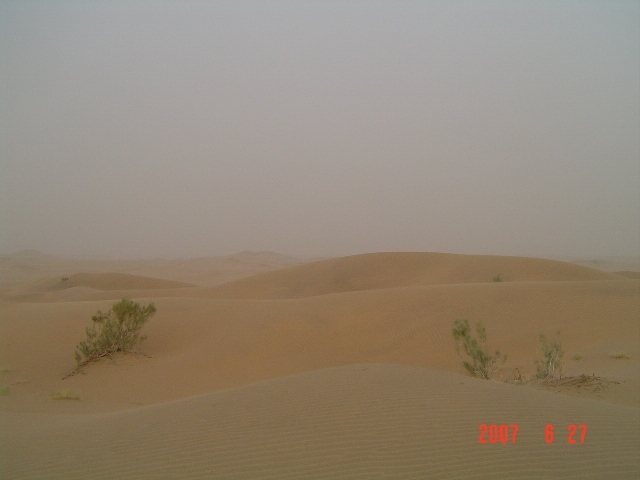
{"type": "Point", "coordinates": [29, 266]}
{"type": "Point", "coordinates": [84, 285]}
{"type": "Point", "coordinates": [629, 274]}
{"type": "Point", "coordinates": [400, 269]}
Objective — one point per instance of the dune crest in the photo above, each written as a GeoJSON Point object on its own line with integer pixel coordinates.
{"type": "Point", "coordinates": [31, 266]}
{"type": "Point", "coordinates": [399, 269]}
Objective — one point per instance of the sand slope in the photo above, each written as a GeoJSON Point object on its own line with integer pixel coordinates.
{"type": "Point", "coordinates": [357, 421]}
{"type": "Point", "coordinates": [343, 368]}
{"type": "Point", "coordinates": [199, 344]}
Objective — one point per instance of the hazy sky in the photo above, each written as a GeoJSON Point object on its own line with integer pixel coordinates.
{"type": "Point", "coordinates": [186, 128]}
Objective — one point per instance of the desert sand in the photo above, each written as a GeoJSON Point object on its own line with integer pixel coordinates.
{"type": "Point", "coordinates": [264, 366]}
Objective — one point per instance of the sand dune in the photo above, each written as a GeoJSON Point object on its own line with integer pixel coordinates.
{"type": "Point", "coordinates": [30, 266]}
{"type": "Point", "coordinates": [89, 286]}
{"type": "Point", "coordinates": [356, 421]}
{"type": "Point", "coordinates": [343, 368]}
{"type": "Point", "coordinates": [208, 344]}
{"type": "Point", "coordinates": [103, 281]}
{"type": "Point", "coordinates": [608, 264]}
{"type": "Point", "coordinates": [390, 270]}
{"type": "Point", "coordinates": [117, 281]}
{"type": "Point", "coordinates": [629, 274]}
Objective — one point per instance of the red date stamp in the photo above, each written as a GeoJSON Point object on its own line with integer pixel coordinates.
{"type": "Point", "coordinates": [509, 433]}
{"type": "Point", "coordinates": [492, 433]}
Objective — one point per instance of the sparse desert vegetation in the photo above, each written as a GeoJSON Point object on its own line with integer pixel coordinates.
{"type": "Point", "coordinates": [478, 361]}
{"type": "Point", "coordinates": [553, 353]}
{"type": "Point", "coordinates": [65, 395]}
{"type": "Point", "coordinates": [118, 330]}
{"type": "Point", "coordinates": [4, 390]}
{"type": "Point", "coordinates": [332, 348]}
{"type": "Point", "coordinates": [619, 356]}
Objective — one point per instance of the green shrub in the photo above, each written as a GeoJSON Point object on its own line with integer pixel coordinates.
{"type": "Point", "coordinates": [552, 350]}
{"type": "Point", "coordinates": [479, 363]}
{"type": "Point", "coordinates": [4, 390]}
{"type": "Point", "coordinates": [497, 278]}
{"type": "Point", "coordinates": [118, 330]}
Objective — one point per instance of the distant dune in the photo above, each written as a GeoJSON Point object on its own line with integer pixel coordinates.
{"type": "Point", "coordinates": [88, 286]}
{"type": "Point", "coordinates": [108, 281]}
{"type": "Point", "coordinates": [393, 270]}
{"type": "Point", "coordinates": [341, 368]}
{"type": "Point", "coordinates": [31, 266]}
{"type": "Point", "coordinates": [629, 274]}
{"type": "Point", "coordinates": [608, 264]}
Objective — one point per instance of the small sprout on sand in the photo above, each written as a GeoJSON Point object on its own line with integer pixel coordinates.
{"type": "Point", "coordinates": [65, 395]}
{"type": "Point", "coordinates": [497, 278]}
{"type": "Point", "coordinates": [4, 390]}
{"type": "Point", "coordinates": [619, 356]}
{"type": "Point", "coordinates": [577, 357]}
{"type": "Point", "coordinates": [482, 363]}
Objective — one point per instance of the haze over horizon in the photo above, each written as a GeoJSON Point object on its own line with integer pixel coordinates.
{"type": "Point", "coordinates": [185, 129]}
